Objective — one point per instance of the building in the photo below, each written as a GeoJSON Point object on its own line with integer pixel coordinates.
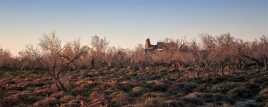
{"type": "Point", "coordinates": [160, 46]}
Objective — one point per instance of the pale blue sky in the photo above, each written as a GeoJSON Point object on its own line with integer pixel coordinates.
{"type": "Point", "coordinates": [128, 22]}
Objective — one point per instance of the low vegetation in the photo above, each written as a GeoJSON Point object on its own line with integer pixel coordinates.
{"type": "Point", "coordinates": [219, 71]}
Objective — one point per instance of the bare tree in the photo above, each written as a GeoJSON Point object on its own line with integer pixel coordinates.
{"type": "Point", "coordinates": [30, 58]}
{"type": "Point", "coordinates": [99, 47]}
{"type": "Point", "coordinates": [99, 44]}
{"type": "Point", "coordinates": [56, 60]}
{"type": "Point", "coordinates": [208, 41]}
{"type": "Point", "coordinates": [6, 60]}
{"type": "Point", "coordinates": [117, 57]}
{"type": "Point", "coordinates": [73, 52]}
{"type": "Point", "coordinates": [138, 56]}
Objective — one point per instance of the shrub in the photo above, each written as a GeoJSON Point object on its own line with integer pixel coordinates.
{"type": "Point", "coordinates": [138, 91]}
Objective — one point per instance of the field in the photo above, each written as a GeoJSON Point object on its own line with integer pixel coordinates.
{"type": "Point", "coordinates": [224, 72]}
{"type": "Point", "coordinates": [150, 87]}
{"type": "Point", "coordinates": [133, 53]}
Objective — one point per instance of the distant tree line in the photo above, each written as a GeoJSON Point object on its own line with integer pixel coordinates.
{"type": "Point", "coordinates": [215, 52]}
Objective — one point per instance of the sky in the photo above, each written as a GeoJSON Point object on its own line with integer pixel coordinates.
{"type": "Point", "coordinates": [126, 23]}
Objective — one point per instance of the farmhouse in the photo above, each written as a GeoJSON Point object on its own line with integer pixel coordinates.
{"type": "Point", "coordinates": [160, 46]}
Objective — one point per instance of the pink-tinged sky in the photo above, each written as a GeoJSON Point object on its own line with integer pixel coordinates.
{"type": "Point", "coordinates": [128, 22]}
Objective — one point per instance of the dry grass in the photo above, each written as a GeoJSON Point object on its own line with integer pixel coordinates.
{"type": "Point", "coordinates": [225, 71]}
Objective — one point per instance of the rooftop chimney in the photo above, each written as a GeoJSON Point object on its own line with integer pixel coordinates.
{"type": "Point", "coordinates": [147, 43]}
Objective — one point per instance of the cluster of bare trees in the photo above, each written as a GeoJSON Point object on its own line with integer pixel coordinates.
{"type": "Point", "coordinates": [6, 60]}
{"type": "Point", "coordinates": [225, 52]}
{"type": "Point", "coordinates": [221, 53]}
{"type": "Point", "coordinates": [215, 53]}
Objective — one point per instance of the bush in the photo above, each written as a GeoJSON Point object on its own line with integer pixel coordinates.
{"type": "Point", "coordinates": [120, 98]}
{"type": "Point", "coordinates": [136, 91]}
{"type": "Point", "coordinates": [263, 95]}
